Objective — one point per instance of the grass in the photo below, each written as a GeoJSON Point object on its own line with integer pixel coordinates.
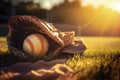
{"type": "Point", "coordinates": [100, 61]}
{"type": "Point", "coordinates": [3, 45]}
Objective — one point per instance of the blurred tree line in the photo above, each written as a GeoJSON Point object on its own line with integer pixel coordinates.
{"type": "Point", "coordinates": [21, 8]}
{"type": "Point", "coordinates": [100, 21]}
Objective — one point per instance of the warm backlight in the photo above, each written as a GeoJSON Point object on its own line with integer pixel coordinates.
{"type": "Point", "coordinates": [116, 7]}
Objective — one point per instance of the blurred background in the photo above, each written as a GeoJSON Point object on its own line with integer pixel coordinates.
{"type": "Point", "coordinates": [85, 17]}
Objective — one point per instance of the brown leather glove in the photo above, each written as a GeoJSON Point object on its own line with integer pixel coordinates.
{"type": "Point", "coordinates": [22, 26]}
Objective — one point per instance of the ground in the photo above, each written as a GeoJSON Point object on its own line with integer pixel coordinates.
{"type": "Point", "coordinates": [100, 61]}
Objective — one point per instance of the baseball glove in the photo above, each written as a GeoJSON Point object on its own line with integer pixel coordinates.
{"type": "Point", "coordinates": [22, 26]}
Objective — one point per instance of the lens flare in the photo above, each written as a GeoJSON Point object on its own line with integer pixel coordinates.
{"type": "Point", "coordinates": [116, 7]}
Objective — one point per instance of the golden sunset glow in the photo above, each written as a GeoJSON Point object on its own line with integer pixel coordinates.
{"type": "Point", "coordinates": [101, 15]}
{"type": "Point", "coordinates": [108, 15]}
{"type": "Point", "coordinates": [116, 7]}
{"type": "Point", "coordinates": [114, 4]}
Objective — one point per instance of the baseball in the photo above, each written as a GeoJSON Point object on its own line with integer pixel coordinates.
{"type": "Point", "coordinates": [35, 45]}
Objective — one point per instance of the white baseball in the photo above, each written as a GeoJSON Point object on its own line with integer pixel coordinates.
{"type": "Point", "coordinates": [36, 45]}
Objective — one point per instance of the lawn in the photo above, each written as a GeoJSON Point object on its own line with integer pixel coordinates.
{"type": "Point", "coordinates": [100, 61]}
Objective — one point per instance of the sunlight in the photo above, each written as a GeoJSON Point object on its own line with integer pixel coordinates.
{"type": "Point", "coordinates": [116, 7]}
{"type": "Point", "coordinates": [114, 4]}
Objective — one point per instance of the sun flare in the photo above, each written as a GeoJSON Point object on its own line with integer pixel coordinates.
{"type": "Point", "coordinates": [116, 7]}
